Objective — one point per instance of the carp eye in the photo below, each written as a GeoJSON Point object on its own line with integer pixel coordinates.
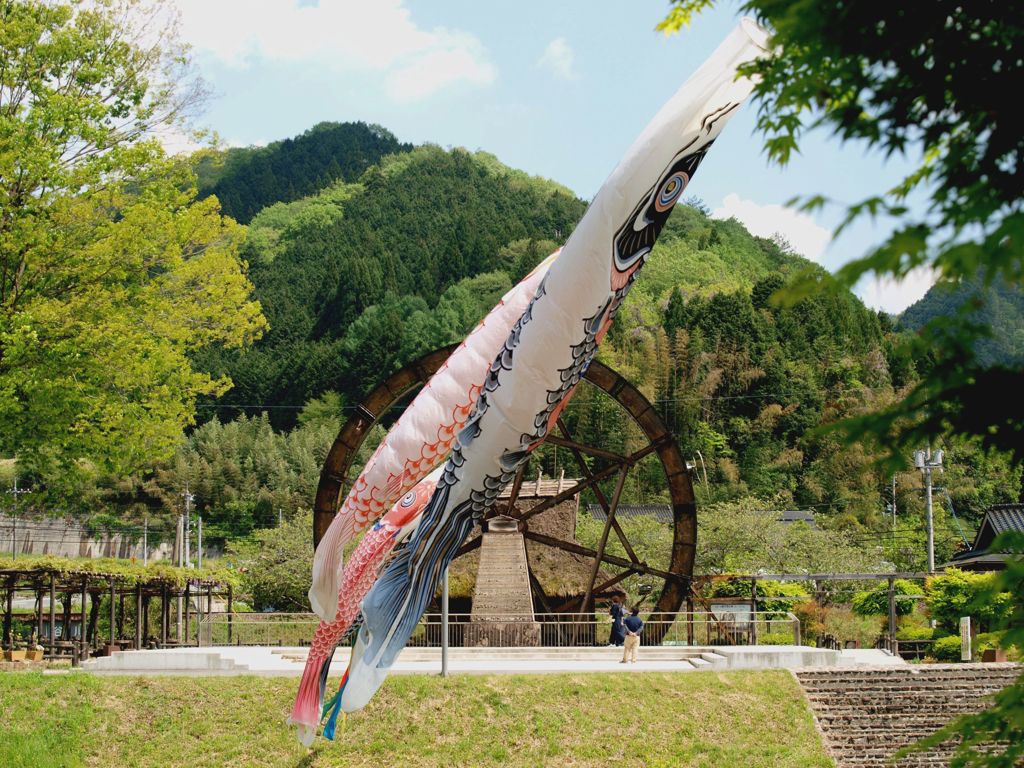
{"type": "Point", "coordinates": [670, 191]}
{"type": "Point", "coordinates": [408, 499]}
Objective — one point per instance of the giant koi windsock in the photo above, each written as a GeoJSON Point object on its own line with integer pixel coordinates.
{"type": "Point", "coordinates": [549, 348]}
{"type": "Point", "coordinates": [420, 440]}
{"type": "Point", "coordinates": [359, 575]}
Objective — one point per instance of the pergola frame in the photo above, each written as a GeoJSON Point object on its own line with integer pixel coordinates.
{"type": "Point", "coordinates": [64, 586]}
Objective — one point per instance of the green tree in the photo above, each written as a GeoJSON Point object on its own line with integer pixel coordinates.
{"type": "Point", "coordinates": [244, 474]}
{"type": "Point", "coordinates": [1000, 724]}
{"type": "Point", "coordinates": [928, 82]}
{"type": "Point", "coordinates": [274, 565]}
{"type": "Point", "coordinates": [246, 180]}
{"type": "Point", "coordinates": [741, 537]}
{"type": "Point", "coordinates": [958, 593]}
{"type": "Point", "coordinates": [111, 274]}
{"type": "Point", "coordinates": [875, 602]}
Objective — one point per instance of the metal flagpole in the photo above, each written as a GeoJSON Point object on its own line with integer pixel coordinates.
{"type": "Point", "coordinates": [444, 624]}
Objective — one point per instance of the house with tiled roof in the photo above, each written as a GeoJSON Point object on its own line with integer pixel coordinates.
{"type": "Point", "coordinates": [998, 519]}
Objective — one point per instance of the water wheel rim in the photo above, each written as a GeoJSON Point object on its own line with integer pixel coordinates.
{"type": "Point", "coordinates": [338, 472]}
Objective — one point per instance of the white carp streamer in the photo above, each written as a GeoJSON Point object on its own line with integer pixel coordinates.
{"type": "Point", "coordinates": [549, 348]}
{"type": "Point", "coordinates": [419, 441]}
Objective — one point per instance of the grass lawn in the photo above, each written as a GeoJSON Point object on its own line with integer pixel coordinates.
{"type": "Point", "coordinates": [748, 719]}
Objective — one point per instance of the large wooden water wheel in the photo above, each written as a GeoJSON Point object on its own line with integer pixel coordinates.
{"type": "Point", "coordinates": [602, 473]}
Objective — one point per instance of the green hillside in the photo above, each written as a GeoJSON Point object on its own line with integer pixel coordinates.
{"type": "Point", "coordinates": [362, 277]}
{"type": "Point", "coordinates": [247, 179]}
{"type": "Point", "coordinates": [998, 307]}
{"type": "Point", "coordinates": [371, 272]}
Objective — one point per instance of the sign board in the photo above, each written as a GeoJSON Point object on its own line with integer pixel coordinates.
{"type": "Point", "coordinates": [738, 613]}
{"type": "Point", "coordinates": [965, 638]}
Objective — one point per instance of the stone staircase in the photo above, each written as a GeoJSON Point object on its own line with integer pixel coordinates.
{"type": "Point", "coordinates": [502, 600]}
{"type": "Point", "coordinates": [199, 662]}
{"type": "Point", "coordinates": [866, 715]}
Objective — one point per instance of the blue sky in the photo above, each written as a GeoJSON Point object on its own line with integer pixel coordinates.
{"type": "Point", "coordinates": [556, 89]}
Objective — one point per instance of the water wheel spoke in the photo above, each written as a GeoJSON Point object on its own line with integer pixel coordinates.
{"type": "Point", "coordinates": [569, 492]}
{"type": "Point", "coordinates": [578, 549]}
{"type": "Point", "coordinates": [590, 450]}
{"type": "Point", "coordinates": [513, 496]}
{"type": "Point", "coordinates": [538, 590]}
{"type": "Point", "coordinates": [605, 585]}
{"type": "Point", "coordinates": [470, 545]}
{"type": "Point", "coordinates": [599, 555]}
{"type": "Point", "coordinates": [609, 512]}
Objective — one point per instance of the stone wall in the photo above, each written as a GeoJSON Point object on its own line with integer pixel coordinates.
{"type": "Point", "coordinates": [866, 715]}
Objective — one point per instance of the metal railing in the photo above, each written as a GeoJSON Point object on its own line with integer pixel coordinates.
{"type": "Point", "coordinates": [554, 630]}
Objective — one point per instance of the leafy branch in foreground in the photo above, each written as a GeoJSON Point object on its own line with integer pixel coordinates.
{"type": "Point", "coordinates": [994, 738]}
{"type": "Point", "coordinates": [928, 82]}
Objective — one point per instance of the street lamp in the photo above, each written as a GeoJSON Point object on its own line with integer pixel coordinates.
{"type": "Point", "coordinates": [927, 461]}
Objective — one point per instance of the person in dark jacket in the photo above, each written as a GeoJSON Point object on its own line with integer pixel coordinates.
{"type": "Point", "coordinates": [633, 626]}
{"type": "Point", "coordinates": [617, 612]}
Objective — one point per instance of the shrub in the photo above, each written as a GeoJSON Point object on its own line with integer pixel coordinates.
{"type": "Point", "coordinates": [916, 632]}
{"type": "Point", "coordinates": [274, 564]}
{"type": "Point", "coordinates": [775, 638]}
{"type": "Point", "coordinates": [946, 648]}
{"type": "Point", "coordinates": [876, 601]}
{"type": "Point", "coordinates": [987, 640]}
{"type": "Point", "coordinates": [961, 593]}
{"type": "Point", "coordinates": [812, 619]}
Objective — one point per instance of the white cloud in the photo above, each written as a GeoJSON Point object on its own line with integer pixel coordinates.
{"type": "Point", "coordinates": [558, 57]}
{"type": "Point", "coordinates": [895, 296]}
{"type": "Point", "coordinates": [807, 237]}
{"type": "Point", "coordinates": [177, 141]}
{"type": "Point", "coordinates": [343, 35]}
{"type": "Point", "coordinates": [459, 57]}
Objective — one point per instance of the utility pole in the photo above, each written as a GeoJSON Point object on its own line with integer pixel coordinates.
{"type": "Point", "coordinates": [15, 492]}
{"type": "Point", "coordinates": [199, 543]}
{"type": "Point", "coordinates": [178, 543]}
{"type": "Point", "coordinates": [145, 540]}
{"type": "Point", "coordinates": [189, 498]}
{"type": "Point", "coordinates": [927, 461]}
{"type": "Point", "coordinates": [894, 502]}
{"type": "Point", "coordinates": [180, 548]}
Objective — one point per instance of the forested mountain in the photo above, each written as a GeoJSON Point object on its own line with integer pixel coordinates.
{"type": "Point", "coordinates": [1000, 307]}
{"type": "Point", "coordinates": [362, 276]}
{"type": "Point", "coordinates": [247, 179]}
{"type": "Point", "coordinates": [376, 269]}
